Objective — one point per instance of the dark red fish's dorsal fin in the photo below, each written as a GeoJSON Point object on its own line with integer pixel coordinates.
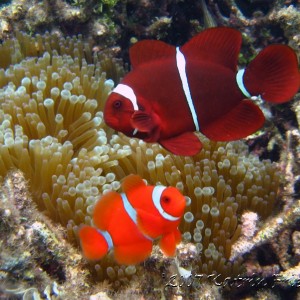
{"type": "Point", "coordinates": [245, 119]}
{"type": "Point", "coordinates": [273, 74]}
{"type": "Point", "coordinates": [104, 209]}
{"type": "Point", "coordinates": [132, 182]}
{"type": "Point", "coordinates": [93, 244]}
{"type": "Point", "coordinates": [220, 45]}
{"type": "Point", "coordinates": [149, 50]}
{"type": "Point", "coordinates": [186, 144]}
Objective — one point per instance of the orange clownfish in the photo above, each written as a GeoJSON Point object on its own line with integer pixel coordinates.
{"type": "Point", "coordinates": [172, 92]}
{"type": "Point", "coordinates": [129, 222]}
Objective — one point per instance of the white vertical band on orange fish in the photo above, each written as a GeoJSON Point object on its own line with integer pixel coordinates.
{"type": "Point", "coordinates": [132, 212]}
{"type": "Point", "coordinates": [156, 197]}
{"type": "Point", "coordinates": [127, 92]}
{"type": "Point", "coordinates": [181, 63]}
{"type": "Point", "coordinates": [240, 82]}
{"type": "Point", "coordinates": [107, 238]}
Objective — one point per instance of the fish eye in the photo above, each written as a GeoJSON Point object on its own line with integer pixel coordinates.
{"type": "Point", "coordinates": [117, 104]}
{"type": "Point", "coordinates": [166, 199]}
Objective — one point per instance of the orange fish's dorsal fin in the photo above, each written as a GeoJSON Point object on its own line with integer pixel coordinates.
{"type": "Point", "coordinates": [240, 122]}
{"type": "Point", "coordinates": [149, 50]}
{"type": "Point", "coordinates": [149, 224]}
{"type": "Point", "coordinates": [184, 144]}
{"type": "Point", "coordinates": [132, 254]}
{"type": "Point", "coordinates": [220, 45]}
{"type": "Point", "coordinates": [168, 244]}
{"type": "Point", "coordinates": [93, 243]}
{"type": "Point", "coordinates": [132, 182]}
{"type": "Point", "coordinates": [105, 208]}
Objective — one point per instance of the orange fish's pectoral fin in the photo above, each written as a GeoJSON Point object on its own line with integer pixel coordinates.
{"type": "Point", "coordinates": [186, 144]}
{"type": "Point", "coordinates": [149, 224]}
{"type": "Point", "coordinates": [104, 209]}
{"type": "Point", "coordinates": [168, 243]}
{"type": "Point", "coordinates": [147, 51]}
{"type": "Point", "coordinates": [133, 254]}
{"type": "Point", "coordinates": [93, 243]}
{"type": "Point", "coordinates": [245, 119]}
{"type": "Point", "coordinates": [132, 182]}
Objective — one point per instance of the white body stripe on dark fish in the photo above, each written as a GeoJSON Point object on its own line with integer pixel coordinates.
{"type": "Point", "coordinates": [181, 64]}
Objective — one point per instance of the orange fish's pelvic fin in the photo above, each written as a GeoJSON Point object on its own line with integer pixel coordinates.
{"type": "Point", "coordinates": [168, 244]}
{"type": "Point", "coordinates": [95, 244]}
{"type": "Point", "coordinates": [184, 144]}
{"type": "Point", "coordinates": [132, 254]}
{"type": "Point", "coordinates": [241, 121]}
{"type": "Point", "coordinates": [272, 75]}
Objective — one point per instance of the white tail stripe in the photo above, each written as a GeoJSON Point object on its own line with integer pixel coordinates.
{"type": "Point", "coordinates": [107, 238]}
{"type": "Point", "coordinates": [127, 92]}
{"type": "Point", "coordinates": [240, 82]}
{"type": "Point", "coordinates": [156, 197]}
{"type": "Point", "coordinates": [181, 63]}
{"type": "Point", "coordinates": [132, 213]}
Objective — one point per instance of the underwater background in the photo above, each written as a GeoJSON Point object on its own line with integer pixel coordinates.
{"type": "Point", "coordinates": [241, 229]}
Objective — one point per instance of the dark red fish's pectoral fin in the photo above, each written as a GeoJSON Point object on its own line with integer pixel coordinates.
{"type": "Point", "coordinates": [93, 244]}
{"type": "Point", "coordinates": [143, 121]}
{"type": "Point", "coordinates": [273, 74]}
{"type": "Point", "coordinates": [186, 144]}
{"type": "Point", "coordinates": [168, 244]}
{"type": "Point", "coordinates": [147, 51]}
{"type": "Point", "coordinates": [104, 209]}
{"type": "Point", "coordinates": [149, 224]}
{"type": "Point", "coordinates": [132, 254]}
{"type": "Point", "coordinates": [220, 45]}
{"type": "Point", "coordinates": [243, 120]}
{"type": "Point", "coordinates": [132, 182]}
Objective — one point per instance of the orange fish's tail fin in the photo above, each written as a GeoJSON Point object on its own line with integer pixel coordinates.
{"type": "Point", "coordinates": [273, 75]}
{"type": "Point", "coordinates": [95, 243]}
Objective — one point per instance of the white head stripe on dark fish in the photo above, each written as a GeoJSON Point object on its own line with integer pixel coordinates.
{"type": "Point", "coordinates": [131, 212]}
{"type": "Point", "coordinates": [240, 82]}
{"type": "Point", "coordinates": [107, 238]}
{"type": "Point", "coordinates": [127, 92]}
{"type": "Point", "coordinates": [156, 197]}
{"type": "Point", "coordinates": [181, 63]}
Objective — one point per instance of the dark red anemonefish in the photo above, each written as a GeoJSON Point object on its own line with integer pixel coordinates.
{"type": "Point", "coordinates": [173, 92]}
{"type": "Point", "coordinates": [129, 222]}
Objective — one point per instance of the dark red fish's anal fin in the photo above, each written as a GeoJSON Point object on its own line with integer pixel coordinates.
{"type": "Point", "coordinates": [243, 120]}
{"type": "Point", "coordinates": [94, 245]}
{"type": "Point", "coordinates": [273, 74]}
{"type": "Point", "coordinates": [186, 144]}
{"type": "Point", "coordinates": [143, 121]}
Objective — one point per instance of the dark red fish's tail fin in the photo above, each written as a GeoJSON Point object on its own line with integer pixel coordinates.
{"type": "Point", "coordinates": [93, 243]}
{"type": "Point", "coordinates": [273, 75]}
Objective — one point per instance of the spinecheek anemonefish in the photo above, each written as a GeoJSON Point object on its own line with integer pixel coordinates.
{"type": "Point", "coordinates": [173, 92]}
{"type": "Point", "coordinates": [129, 222]}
